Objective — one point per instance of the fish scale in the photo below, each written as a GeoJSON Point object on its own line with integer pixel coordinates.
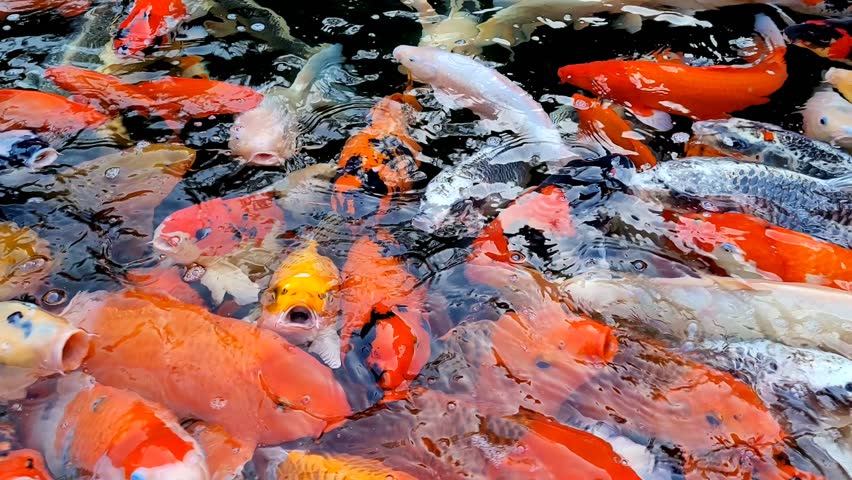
{"type": "Point", "coordinates": [820, 208]}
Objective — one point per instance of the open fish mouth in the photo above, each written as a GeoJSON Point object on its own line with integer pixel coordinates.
{"type": "Point", "coordinates": [299, 316]}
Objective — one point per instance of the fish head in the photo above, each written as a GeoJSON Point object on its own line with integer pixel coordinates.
{"type": "Point", "coordinates": [36, 339]}
{"type": "Point", "coordinates": [594, 77]}
{"type": "Point", "coordinates": [267, 135]}
{"type": "Point", "coordinates": [302, 297]}
{"type": "Point", "coordinates": [419, 61]}
{"type": "Point", "coordinates": [24, 464]}
{"type": "Point", "coordinates": [23, 148]}
{"type": "Point", "coordinates": [827, 116]}
{"type": "Point", "coordinates": [738, 138]}
{"type": "Point", "coordinates": [178, 236]}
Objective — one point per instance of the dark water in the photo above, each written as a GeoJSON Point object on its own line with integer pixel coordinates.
{"type": "Point", "coordinates": [92, 250]}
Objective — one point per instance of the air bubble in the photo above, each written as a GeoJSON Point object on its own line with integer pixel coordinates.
{"type": "Point", "coordinates": [258, 27]}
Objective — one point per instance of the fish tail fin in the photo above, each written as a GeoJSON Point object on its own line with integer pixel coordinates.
{"type": "Point", "coordinates": [319, 62]}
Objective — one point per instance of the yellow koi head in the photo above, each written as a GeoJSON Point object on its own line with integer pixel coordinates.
{"type": "Point", "coordinates": [301, 298]}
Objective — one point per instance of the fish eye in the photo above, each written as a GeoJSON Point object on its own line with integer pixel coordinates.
{"type": "Point", "coordinates": [321, 295]}
{"type": "Point", "coordinates": [823, 120]}
{"type": "Point", "coordinates": [137, 476]}
{"type": "Point", "coordinates": [728, 247]}
{"type": "Point", "coordinates": [517, 257]}
{"type": "Point", "coordinates": [202, 233]}
{"type": "Point", "coordinates": [283, 291]}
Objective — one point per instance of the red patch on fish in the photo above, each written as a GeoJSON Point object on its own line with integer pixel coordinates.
{"type": "Point", "coordinates": [46, 112]}
{"type": "Point", "coordinates": [148, 22]}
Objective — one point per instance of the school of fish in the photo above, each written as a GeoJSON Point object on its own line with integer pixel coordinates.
{"type": "Point", "coordinates": [213, 272]}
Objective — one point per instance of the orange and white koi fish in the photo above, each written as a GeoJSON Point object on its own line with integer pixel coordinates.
{"type": "Point", "coordinates": [66, 8]}
{"type": "Point", "coordinates": [35, 344]}
{"type": "Point", "coordinates": [650, 391]}
{"type": "Point", "coordinates": [148, 22]}
{"type": "Point", "coordinates": [379, 285]}
{"type": "Point", "coordinates": [652, 90]}
{"type": "Point", "coordinates": [223, 371]}
{"type": "Point", "coordinates": [380, 160]}
{"type": "Point", "coordinates": [602, 124]}
{"type": "Point", "coordinates": [301, 303]}
{"type": "Point", "coordinates": [279, 464]}
{"type": "Point", "coordinates": [747, 246]}
{"type": "Point", "coordinates": [46, 113]}
{"type": "Point", "coordinates": [84, 427]}
{"type": "Point", "coordinates": [226, 455]}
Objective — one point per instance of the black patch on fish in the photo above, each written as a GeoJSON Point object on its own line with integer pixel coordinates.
{"type": "Point", "coordinates": [202, 233]}
{"type": "Point", "coordinates": [14, 318]}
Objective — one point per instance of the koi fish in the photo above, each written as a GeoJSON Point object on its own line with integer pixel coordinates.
{"type": "Point", "coordinates": [24, 464]}
{"type": "Point", "coordinates": [226, 456]}
{"type": "Point", "coordinates": [106, 93]}
{"type": "Point", "coordinates": [25, 149]}
{"type": "Point", "coordinates": [747, 246]}
{"type": "Point", "coordinates": [551, 450]}
{"type": "Point", "coordinates": [66, 8]}
{"type": "Point", "coordinates": [148, 21]}
{"type": "Point", "coordinates": [25, 260]}
{"type": "Point", "coordinates": [653, 90]}
{"type": "Point", "coordinates": [301, 303]}
{"type": "Point", "coordinates": [268, 135]}
{"type": "Point", "coordinates": [45, 113]}
{"type": "Point", "coordinates": [788, 199]}
{"type": "Point", "coordinates": [830, 38]}
{"type": "Point", "coordinates": [210, 234]}
{"type": "Point", "coordinates": [841, 80]}
{"type": "Point", "coordinates": [110, 433]}
{"type": "Point", "coordinates": [248, 380]}
{"type": "Point", "coordinates": [375, 284]}
{"type": "Point", "coordinates": [602, 124]}
{"type": "Point", "coordinates": [827, 117]}
{"type": "Point", "coordinates": [750, 141]}
{"type": "Point", "coordinates": [691, 308]}
{"type": "Point", "coordinates": [36, 344]}
{"type": "Point", "coordinates": [455, 32]}
{"type": "Point", "coordinates": [518, 19]}
{"type": "Point", "coordinates": [396, 356]}
{"type": "Point", "coordinates": [279, 464]}
{"type": "Point", "coordinates": [648, 391]}
{"type": "Point", "coordinates": [462, 82]}
{"type": "Point", "coordinates": [381, 159]}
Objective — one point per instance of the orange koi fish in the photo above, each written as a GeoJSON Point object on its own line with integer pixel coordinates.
{"type": "Point", "coordinates": [226, 456]}
{"type": "Point", "coordinates": [650, 392]}
{"type": "Point", "coordinates": [553, 451]}
{"type": "Point", "coordinates": [699, 93]}
{"type": "Point", "coordinates": [148, 22]}
{"type": "Point", "coordinates": [218, 227]}
{"type": "Point", "coordinates": [380, 160]}
{"type": "Point", "coordinates": [394, 353]}
{"type": "Point", "coordinates": [110, 433]}
{"type": "Point", "coordinates": [744, 245]}
{"type": "Point", "coordinates": [66, 8]}
{"type": "Point", "coordinates": [301, 303]}
{"type": "Point", "coordinates": [279, 464]}
{"type": "Point", "coordinates": [375, 284]}
{"type": "Point", "coordinates": [106, 93]}
{"type": "Point", "coordinates": [223, 371]}
{"type": "Point", "coordinates": [25, 464]}
{"type": "Point", "coordinates": [45, 112]}
{"type": "Point", "coordinates": [18, 463]}
{"type": "Point", "coordinates": [602, 124]}
{"type": "Point", "coordinates": [177, 99]}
